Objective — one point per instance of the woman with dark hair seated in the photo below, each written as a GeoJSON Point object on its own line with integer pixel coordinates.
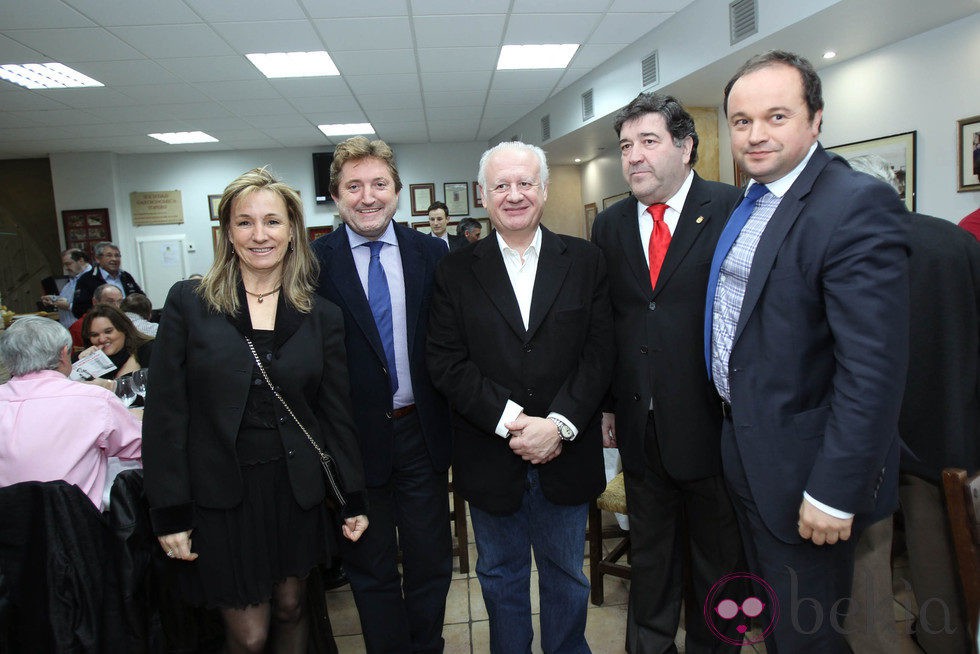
{"type": "Point", "coordinates": [108, 329]}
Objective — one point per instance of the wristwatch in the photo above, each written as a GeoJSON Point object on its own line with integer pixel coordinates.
{"type": "Point", "coordinates": [564, 431]}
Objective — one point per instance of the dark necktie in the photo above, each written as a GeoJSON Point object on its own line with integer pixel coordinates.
{"type": "Point", "coordinates": [379, 298]}
{"type": "Point", "coordinates": [659, 241]}
{"type": "Point", "coordinates": [728, 235]}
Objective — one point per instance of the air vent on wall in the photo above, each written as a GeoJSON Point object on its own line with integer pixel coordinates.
{"type": "Point", "coordinates": [743, 19]}
{"type": "Point", "coordinates": [588, 110]}
{"type": "Point", "coordinates": [651, 69]}
{"type": "Point", "coordinates": [546, 127]}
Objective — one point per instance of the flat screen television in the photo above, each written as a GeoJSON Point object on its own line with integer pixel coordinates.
{"type": "Point", "coordinates": [321, 176]}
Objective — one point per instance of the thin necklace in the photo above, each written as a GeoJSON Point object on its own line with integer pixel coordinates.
{"type": "Point", "coordinates": [259, 296]}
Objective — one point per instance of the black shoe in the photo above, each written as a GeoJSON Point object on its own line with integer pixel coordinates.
{"type": "Point", "coordinates": [335, 577]}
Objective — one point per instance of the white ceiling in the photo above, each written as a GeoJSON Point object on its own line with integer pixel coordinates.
{"type": "Point", "coordinates": [418, 70]}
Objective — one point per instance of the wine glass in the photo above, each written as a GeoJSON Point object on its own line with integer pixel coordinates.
{"type": "Point", "coordinates": [125, 390]}
{"type": "Point", "coordinates": [139, 381]}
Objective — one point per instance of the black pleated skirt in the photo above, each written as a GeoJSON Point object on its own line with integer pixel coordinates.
{"type": "Point", "coordinates": [245, 551]}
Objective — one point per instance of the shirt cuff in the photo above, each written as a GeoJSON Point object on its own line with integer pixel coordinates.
{"type": "Point", "coordinates": [829, 510]}
{"type": "Point", "coordinates": [511, 411]}
{"type": "Point", "coordinates": [571, 425]}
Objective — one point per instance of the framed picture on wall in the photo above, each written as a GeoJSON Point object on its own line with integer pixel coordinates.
{"type": "Point", "coordinates": [457, 198]}
{"type": "Point", "coordinates": [477, 195]}
{"type": "Point", "coordinates": [213, 202]}
{"type": "Point", "coordinates": [968, 161]}
{"type": "Point", "coordinates": [422, 196]}
{"type": "Point", "coordinates": [613, 199]}
{"type": "Point", "coordinates": [215, 235]}
{"type": "Point", "coordinates": [86, 227]}
{"type": "Point", "coordinates": [313, 233]}
{"type": "Point", "coordinates": [898, 150]}
{"type": "Point", "coordinates": [590, 213]}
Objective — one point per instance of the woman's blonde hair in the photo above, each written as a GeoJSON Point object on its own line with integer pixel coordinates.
{"type": "Point", "coordinates": [219, 288]}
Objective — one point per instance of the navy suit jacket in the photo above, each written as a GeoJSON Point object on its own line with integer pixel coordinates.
{"type": "Point", "coordinates": [820, 351]}
{"type": "Point", "coordinates": [659, 334]}
{"type": "Point", "coordinates": [366, 363]}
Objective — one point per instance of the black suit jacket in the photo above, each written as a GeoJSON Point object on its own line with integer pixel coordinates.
{"type": "Point", "coordinates": [91, 280]}
{"type": "Point", "coordinates": [369, 383]}
{"type": "Point", "coordinates": [820, 351]}
{"type": "Point", "coordinates": [940, 419]}
{"type": "Point", "coordinates": [481, 356]}
{"type": "Point", "coordinates": [199, 383]}
{"type": "Point", "coordinates": [456, 241]}
{"type": "Point", "coordinates": [659, 333]}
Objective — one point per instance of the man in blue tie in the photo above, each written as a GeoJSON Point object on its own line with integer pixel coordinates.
{"type": "Point", "coordinates": [806, 327]}
{"type": "Point", "coordinates": [379, 273]}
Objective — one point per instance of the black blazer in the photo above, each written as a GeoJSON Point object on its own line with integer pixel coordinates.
{"type": "Point", "coordinates": [940, 419]}
{"type": "Point", "coordinates": [660, 335]}
{"type": "Point", "coordinates": [481, 356]}
{"type": "Point", "coordinates": [369, 383]}
{"type": "Point", "coordinates": [91, 280]}
{"type": "Point", "coordinates": [199, 383]}
{"type": "Point", "coordinates": [820, 351]}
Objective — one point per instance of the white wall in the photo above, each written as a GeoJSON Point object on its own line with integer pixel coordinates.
{"type": "Point", "coordinates": [924, 83]}
{"type": "Point", "coordinates": [95, 180]}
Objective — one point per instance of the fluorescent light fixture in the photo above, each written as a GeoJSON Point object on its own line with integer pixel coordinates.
{"type": "Point", "coordinates": [346, 129]}
{"type": "Point", "coordinates": [46, 76]}
{"type": "Point", "coordinates": [517, 57]}
{"type": "Point", "coordinates": [294, 64]}
{"type": "Point", "coordinates": [179, 138]}
{"type": "Point", "coordinates": [830, 54]}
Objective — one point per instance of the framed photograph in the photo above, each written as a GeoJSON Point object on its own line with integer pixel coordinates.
{"type": "Point", "coordinates": [86, 227]}
{"type": "Point", "coordinates": [213, 202]}
{"type": "Point", "coordinates": [457, 196]}
{"type": "Point", "coordinates": [422, 196]}
{"type": "Point", "coordinates": [590, 213]}
{"type": "Point", "coordinates": [215, 235]}
{"type": "Point", "coordinates": [313, 233]}
{"type": "Point", "coordinates": [898, 150]}
{"type": "Point", "coordinates": [968, 162]}
{"type": "Point", "coordinates": [613, 199]}
{"type": "Point", "coordinates": [477, 195]}
{"type": "Point", "coordinates": [741, 179]}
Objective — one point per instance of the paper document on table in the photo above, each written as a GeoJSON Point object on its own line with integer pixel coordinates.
{"type": "Point", "coordinates": [91, 367]}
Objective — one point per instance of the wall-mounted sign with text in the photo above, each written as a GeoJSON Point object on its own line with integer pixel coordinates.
{"type": "Point", "coordinates": [156, 208]}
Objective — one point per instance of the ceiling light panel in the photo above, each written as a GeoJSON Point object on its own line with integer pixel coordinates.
{"type": "Point", "coordinates": [526, 57]}
{"type": "Point", "coordinates": [180, 138]}
{"type": "Point", "coordinates": [294, 64]}
{"type": "Point", "coordinates": [346, 129]}
{"type": "Point", "coordinates": [46, 76]}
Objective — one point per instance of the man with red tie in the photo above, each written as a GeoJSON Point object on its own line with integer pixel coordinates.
{"type": "Point", "coordinates": [662, 412]}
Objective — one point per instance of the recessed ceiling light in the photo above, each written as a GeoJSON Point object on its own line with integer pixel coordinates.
{"type": "Point", "coordinates": [577, 160]}
{"type": "Point", "coordinates": [46, 76]}
{"type": "Point", "coordinates": [294, 64]}
{"type": "Point", "coordinates": [346, 129]}
{"type": "Point", "coordinates": [526, 57]}
{"type": "Point", "coordinates": [179, 138]}
{"type": "Point", "coordinates": [830, 54]}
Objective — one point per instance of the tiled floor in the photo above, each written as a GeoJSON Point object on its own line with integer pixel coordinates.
{"type": "Point", "coordinates": [466, 628]}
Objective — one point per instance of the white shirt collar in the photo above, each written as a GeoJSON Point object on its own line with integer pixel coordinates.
{"type": "Point", "coordinates": [535, 244]}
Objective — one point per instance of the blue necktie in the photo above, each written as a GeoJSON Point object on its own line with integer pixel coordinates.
{"type": "Point", "coordinates": [728, 235]}
{"type": "Point", "coordinates": [379, 298]}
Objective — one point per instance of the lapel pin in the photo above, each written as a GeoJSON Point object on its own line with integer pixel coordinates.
{"type": "Point", "coordinates": [699, 220]}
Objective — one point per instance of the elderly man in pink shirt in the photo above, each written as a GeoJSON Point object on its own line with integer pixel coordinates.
{"type": "Point", "coordinates": [50, 426]}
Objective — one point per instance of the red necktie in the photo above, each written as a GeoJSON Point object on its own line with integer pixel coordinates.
{"type": "Point", "coordinates": [659, 241]}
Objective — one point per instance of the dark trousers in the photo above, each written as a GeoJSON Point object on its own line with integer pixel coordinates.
{"type": "Point", "coordinates": [806, 587]}
{"type": "Point", "coordinates": [411, 513]}
{"type": "Point", "coordinates": [676, 524]}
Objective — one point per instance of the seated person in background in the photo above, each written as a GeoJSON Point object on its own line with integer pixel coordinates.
{"type": "Point", "coordinates": [105, 294]}
{"type": "Point", "coordinates": [138, 309]}
{"type": "Point", "coordinates": [50, 426]}
{"type": "Point", "coordinates": [108, 329]}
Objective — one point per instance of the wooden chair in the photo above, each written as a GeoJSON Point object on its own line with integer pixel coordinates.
{"type": "Point", "coordinates": [613, 499]}
{"type": "Point", "coordinates": [461, 542]}
{"type": "Point", "coordinates": [963, 525]}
